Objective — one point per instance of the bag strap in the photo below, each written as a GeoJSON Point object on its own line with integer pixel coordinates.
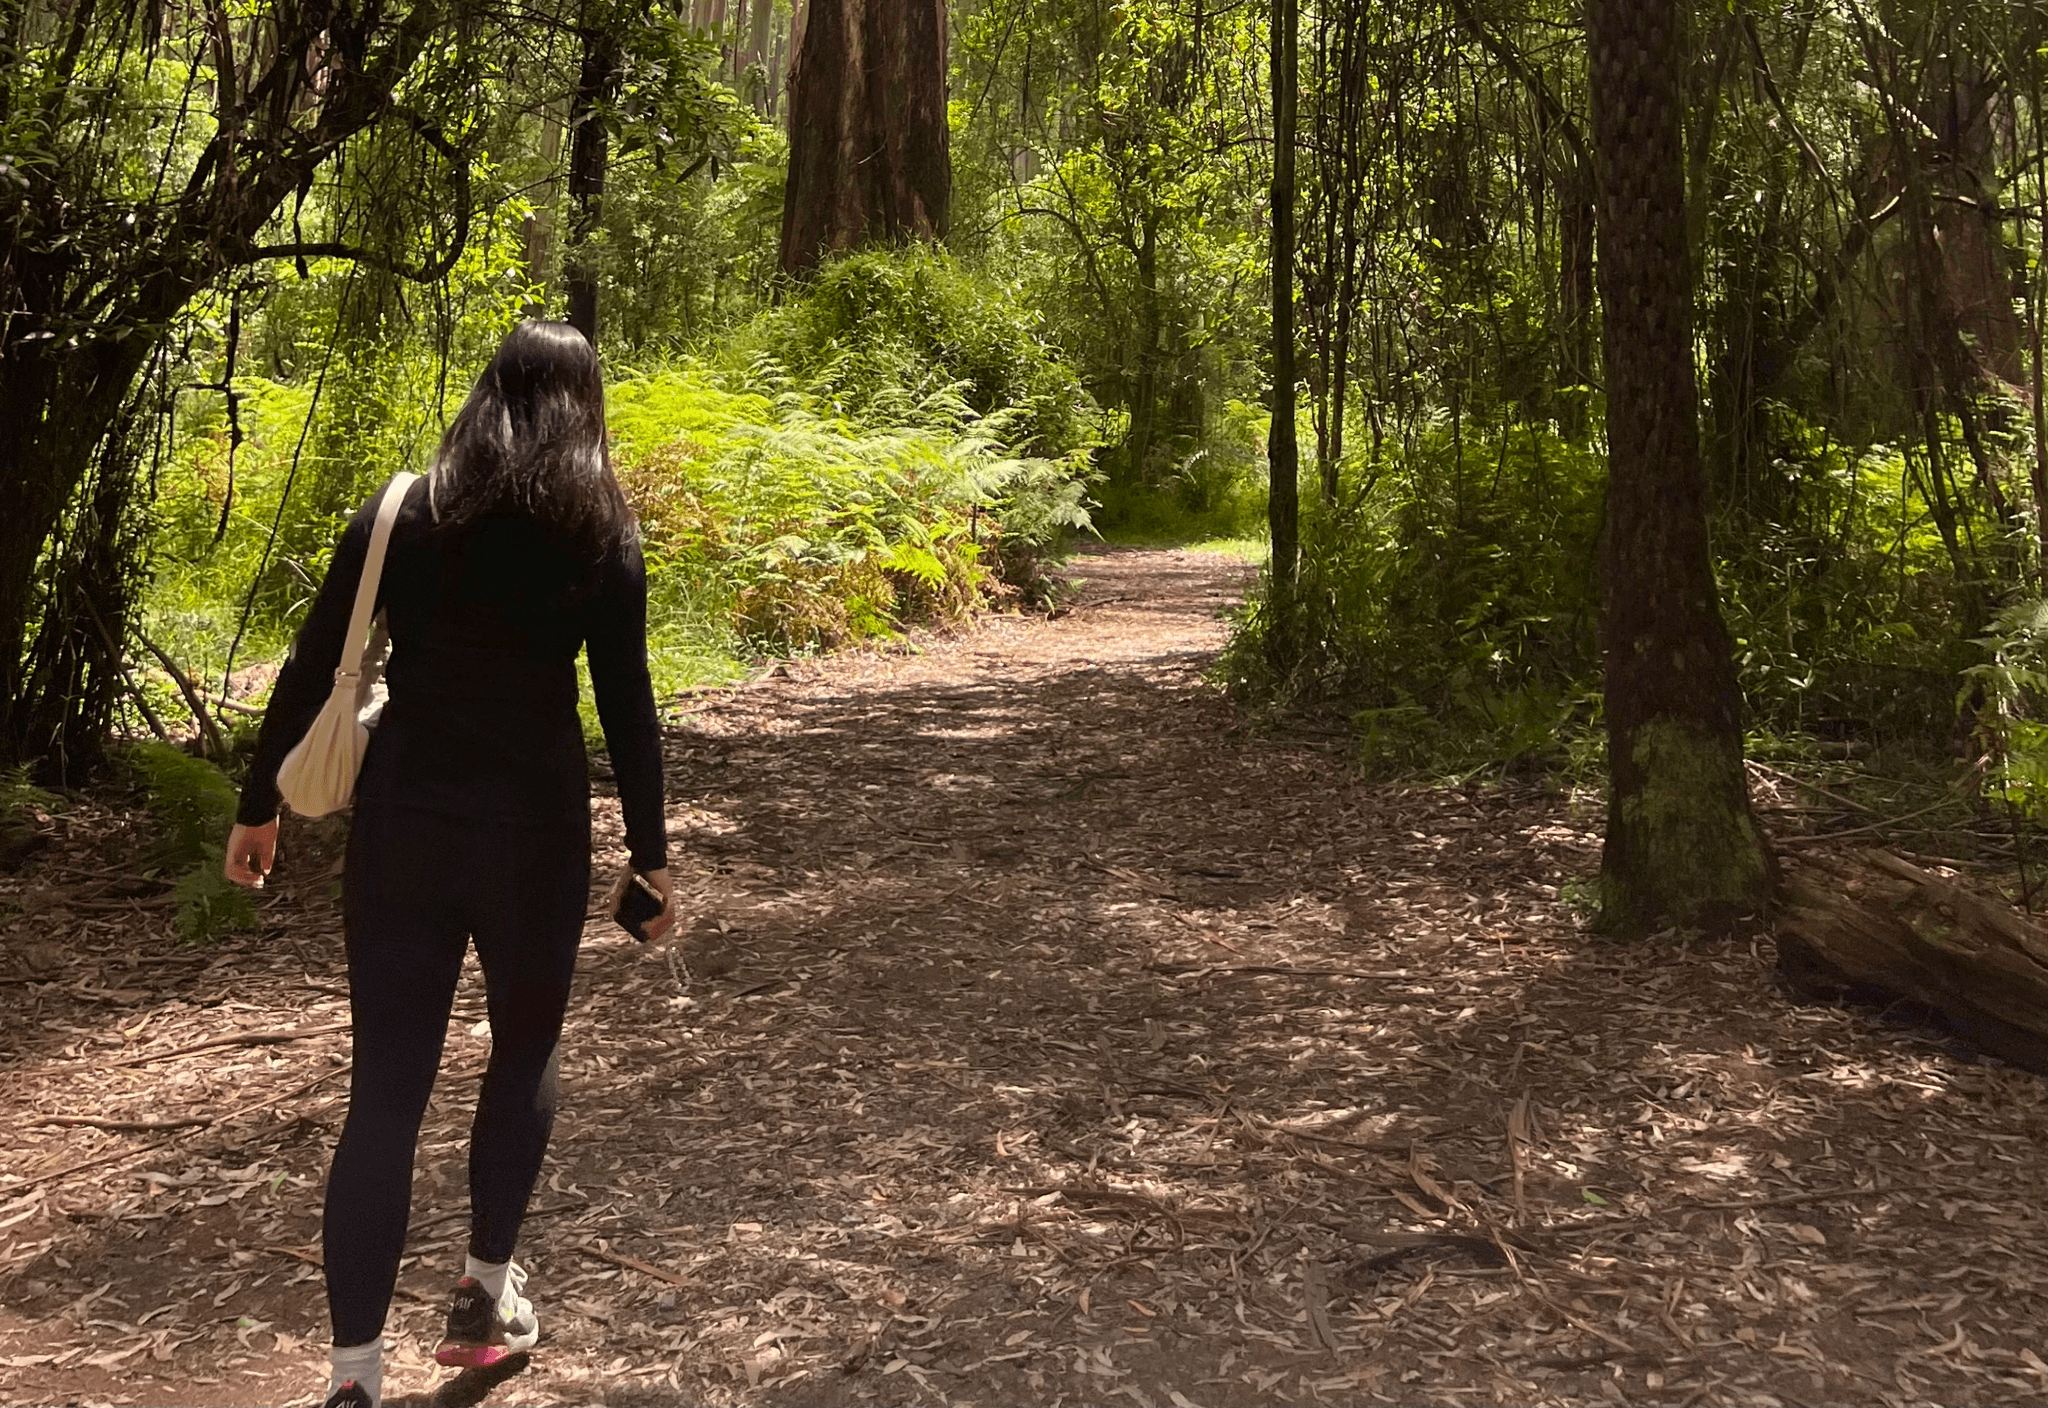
{"type": "Point", "coordinates": [352, 644]}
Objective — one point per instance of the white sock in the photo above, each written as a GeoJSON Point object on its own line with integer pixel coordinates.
{"type": "Point", "coordinates": [362, 1362]}
{"type": "Point", "coordinates": [491, 1275]}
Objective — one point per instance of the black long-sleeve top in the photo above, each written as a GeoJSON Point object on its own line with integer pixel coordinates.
{"type": "Point", "coordinates": [481, 723]}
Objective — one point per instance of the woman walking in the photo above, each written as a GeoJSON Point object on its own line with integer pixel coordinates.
{"type": "Point", "coordinates": [472, 817]}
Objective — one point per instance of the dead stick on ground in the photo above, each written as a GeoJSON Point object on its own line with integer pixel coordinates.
{"type": "Point", "coordinates": [190, 1122]}
{"type": "Point", "coordinates": [633, 1263]}
{"type": "Point", "coordinates": [128, 1126]}
{"type": "Point", "coordinates": [1518, 1135]}
{"type": "Point", "coordinates": [1788, 1200]}
{"type": "Point", "coordinates": [1263, 970]}
{"type": "Point", "coordinates": [116, 1156]}
{"type": "Point", "coordinates": [274, 1037]}
{"type": "Point", "coordinates": [1863, 807]}
{"type": "Point", "coordinates": [1815, 838]}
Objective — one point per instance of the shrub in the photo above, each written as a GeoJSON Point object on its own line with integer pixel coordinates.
{"type": "Point", "coordinates": [803, 529]}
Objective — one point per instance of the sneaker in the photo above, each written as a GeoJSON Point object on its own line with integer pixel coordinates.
{"type": "Point", "coordinates": [480, 1333]}
{"type": "Point", "coordinates": [350, 1395]}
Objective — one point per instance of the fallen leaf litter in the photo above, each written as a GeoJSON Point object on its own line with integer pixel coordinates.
{"type": "Point", "coordinates": [1044, 1035]}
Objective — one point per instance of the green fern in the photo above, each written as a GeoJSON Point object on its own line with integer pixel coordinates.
{"type": "Point", "coordinates": [195, 804]}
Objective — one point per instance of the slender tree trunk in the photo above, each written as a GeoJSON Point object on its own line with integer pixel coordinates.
{"type": "Point", "coordinates": [2037, 313]}
{"type": "Point", "coordinates": [1575, 301]}
{"type": "Point", "coordinates": [1682, 849]}
{"type": "Point", "coordinates": [540, 221]}
{"type": "Point", "coordinates": [589, 159]}
{"type": "Point", "coordinates": [1283, 455]}
{"type": "Point", "coordinates": [1144, 397]}
{"type": "Point", "coordinates": [868, 156]}
{"type": "Point", "coordinates": [757, 55]}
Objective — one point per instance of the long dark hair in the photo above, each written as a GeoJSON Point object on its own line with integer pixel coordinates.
{"type": "Point", "coordinates": [529, 444]}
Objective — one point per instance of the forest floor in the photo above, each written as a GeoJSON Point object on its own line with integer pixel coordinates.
{"type": "Point", "coordinates": [1046, 1035]}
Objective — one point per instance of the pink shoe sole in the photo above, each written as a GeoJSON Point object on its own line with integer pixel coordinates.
{"type": "Point", "coordinates": [454, 1354]}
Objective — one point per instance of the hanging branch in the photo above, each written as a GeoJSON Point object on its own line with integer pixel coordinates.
{"type": "Point", "coordinates": [284, 497]}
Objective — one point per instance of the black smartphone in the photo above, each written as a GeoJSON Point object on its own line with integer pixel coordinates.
{"type": "Point", "coordinates": [639, 903]}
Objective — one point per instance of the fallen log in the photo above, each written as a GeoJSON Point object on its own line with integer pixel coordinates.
{"type": "Point", "coordinates": [1868, 926]}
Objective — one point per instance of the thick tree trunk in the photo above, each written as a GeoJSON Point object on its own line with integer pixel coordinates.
{"type": "Point", "coordinates": [1283, 454]}
{"type": "Point", "coordinates": [868, 156]}
{"type": "Point", "coordinates": [54, 412]}
{"type": "Point", "coordinates": [1682, 848]}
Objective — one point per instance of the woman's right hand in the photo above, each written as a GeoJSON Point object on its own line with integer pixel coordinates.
{"type": "Point", "coordinates": [666, 920]}
{"type": "Point", "coordinates": [252, 850]}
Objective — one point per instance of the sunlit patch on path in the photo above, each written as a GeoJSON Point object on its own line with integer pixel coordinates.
{"type": "Point", "coordinates": [1045, 1035]}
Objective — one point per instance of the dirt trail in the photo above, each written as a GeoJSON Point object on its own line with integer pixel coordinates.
{"type": "Point", "coordinates": [1048, 1036]}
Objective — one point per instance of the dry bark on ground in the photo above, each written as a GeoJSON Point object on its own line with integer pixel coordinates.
{"type": "Point", "coordinates": [1046, 1037]}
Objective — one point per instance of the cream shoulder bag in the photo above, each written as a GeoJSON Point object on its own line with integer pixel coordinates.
{"type": "Point", "coordinates": [319, 775]}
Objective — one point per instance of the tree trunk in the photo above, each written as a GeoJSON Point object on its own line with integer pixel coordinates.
{"type": "Point", "coordinates": [868, 155]}
{"type": "Point", "coordinates": [1682, 849]}
{"type": "Point", "coordinates": [87, 310]}
{"type": "Point", "coordinates": [757, 56]}
{"type": "Point", "coordinates": [1143, 399]}
{"type": "Point", "coordinates": [1283, 454]}
{"type": "Point", "coordinates": [589, 158]}
{"type": "Point", "coordinates": [540, 221]}
{"type": "Point", "coordinates": [54, 412]}
{"type": "Point", "coordinates": [1575, 302]}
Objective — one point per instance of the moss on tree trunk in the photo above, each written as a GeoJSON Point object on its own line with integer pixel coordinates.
{"type": "Point", "coordinates": [1682, 848]}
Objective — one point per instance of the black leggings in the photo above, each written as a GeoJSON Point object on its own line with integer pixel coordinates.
{"type": "Point", "coordinates": [418, 886]}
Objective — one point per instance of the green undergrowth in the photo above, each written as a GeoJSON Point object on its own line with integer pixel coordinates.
{"type": "Point", "coordinates": [1448, 609]}
{"type": "Point", "coordinates": [1215, 492]}
{"type": "Point", "coordinates": [193, 804]}
{"type": "Point", "coordinates": [1445, 611]}
{"type": "Point", "coordinates": [893, 449]}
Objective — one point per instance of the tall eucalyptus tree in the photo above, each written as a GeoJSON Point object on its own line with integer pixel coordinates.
{"type": "Point", "coordinates": [869, 155]}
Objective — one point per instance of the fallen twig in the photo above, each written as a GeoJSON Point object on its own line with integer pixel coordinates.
{"type": "Point", "coordinates": [633, 1263]}
{"type": "Point", "coordinates": [273, 1037]}
{"type": "Point", "coordinates": [81, 1166]}
{"type": "Point", "coordinates": [96, 1122]}
{"type": "Point", "coordinates": [1268, 970]}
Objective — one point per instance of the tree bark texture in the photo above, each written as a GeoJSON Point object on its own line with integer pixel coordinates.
{"type": "Point", "coordinates": [1682, 849]}
{"type": "Point", "coordinates": [869, 161]}
{"type": "Point", "coordinates": [1871, 926]}
{"type": "Point", "coordinates": [1283, 453]}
